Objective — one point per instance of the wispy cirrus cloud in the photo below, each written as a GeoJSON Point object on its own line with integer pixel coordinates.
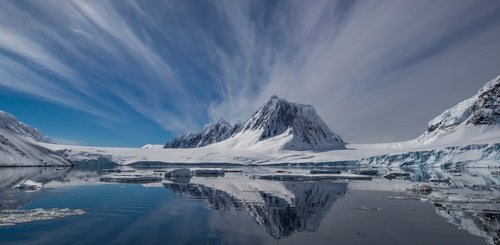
{"type": "Point", "coordinates": [375, 70]}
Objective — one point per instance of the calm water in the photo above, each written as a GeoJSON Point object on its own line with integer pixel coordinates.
{"type": "Point", "coordinates": [237, 209]}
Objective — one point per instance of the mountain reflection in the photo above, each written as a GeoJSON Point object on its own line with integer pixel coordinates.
{"type": "Point", "coordinates": [302, 213]}
{"type": "Point", "coordinates": [484, 223]}
{"type": "Point", "coordinates": [470, 199]}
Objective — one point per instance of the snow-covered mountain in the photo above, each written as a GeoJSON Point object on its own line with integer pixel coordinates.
{"type": "Point", "coordinates": [10, 123]}
{"type": "Point", "coordinates": [478, 116]}
{"type": "Point", "coordinates": [298, 126]}
{"type": "Point", "coordinates": [18, 145]}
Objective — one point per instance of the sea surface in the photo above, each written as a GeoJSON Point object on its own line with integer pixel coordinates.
{"type": "Point", "coordinates": [240, 208]}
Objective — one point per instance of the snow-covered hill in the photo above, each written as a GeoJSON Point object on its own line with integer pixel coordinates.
{"type": "Point", "coordinates": [11, 124]}
{"type": "Point", "coordinates": [476, 117]}
{"type": "Point", "coordinates": [18, 145]}
{"type": "Point", "coordinates": [283, 124]}
{"type": "Point", "coordinates": [16, 150]}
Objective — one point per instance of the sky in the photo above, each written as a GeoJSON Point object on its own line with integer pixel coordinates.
{"type": "Point", "coordinates": [128, 73]}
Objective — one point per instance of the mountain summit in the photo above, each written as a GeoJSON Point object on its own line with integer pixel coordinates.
{"type": "Point", "coordinates": [298, 126]}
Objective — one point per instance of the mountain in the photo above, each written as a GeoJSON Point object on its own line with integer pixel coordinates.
{"type": "Point", "coordinates": [295, 126]}
{"type": "Point", "coordinates": [212, 133]}
{"type": "Point", "coordinates": [18, 145]}
{"type": "Point", "coordinates": [10, 123]}
{"type": "Point", "coordinates": [474, 117]}
{"type": "Point", "coordinates": [306, 128]}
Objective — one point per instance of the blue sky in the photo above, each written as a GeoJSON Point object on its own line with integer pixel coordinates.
{"type": "Point", "coordinates": [127, 73]}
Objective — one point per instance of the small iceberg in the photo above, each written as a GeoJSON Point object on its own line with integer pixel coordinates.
{"type": "Point", "coordinates": [118, 170]}
{"type": "Point", "coordinates": [325, 171]}
{"type": "Point", "coordinates": [131, 178]}
{"type": "Point", "coordinates": [179, 173]}
{"type": "Point", "coordinates": [393, 175]}
{"type": "Point", "coordinates": [371, 172]}
{"type": "Point", "coordinates": [209, 172]}
{"type": "Point", "coordinates": [233, 170]}
{"type": "Point", "coordinates": [420, 188]}
{"type": "Point", "coordinates": [29, 185]}
{"type": "Point", "coordinates": [311, 177]}
{"type": "Point", "coordinates": [438, 180]}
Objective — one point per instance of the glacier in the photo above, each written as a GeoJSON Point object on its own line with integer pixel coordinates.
{"type": "Point", "coordinates": [476, 155]}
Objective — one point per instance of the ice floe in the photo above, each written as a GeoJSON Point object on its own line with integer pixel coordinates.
{"type": "Point", "coordinates": [309, 177]}
{"type": "Point", "coordinates": [29, 185]}
{"type": "Point", "coordinates": [16, 216]}
{"type": "Point", "coordinates": [135, 177]}
{"type": "Point", "coordinates": [420, 188]}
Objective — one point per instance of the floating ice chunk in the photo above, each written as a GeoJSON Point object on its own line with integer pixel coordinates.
{"type": "Point", "coordinates": [209, 172]}
{"type": "Point", "coordinates": [12, 217]}
{"type": "Point", "coordinates": [131, 178]}
{"type": "Point", "coordinates": [29, 185]}
{"type": "Point", "coordinates": [308, 177]}
{"type": "Point", "coordinates": [325, 171]}
{"type": "Point", "coordinates": [178, 173]}
{"type": "Point", "coordinates": [364, 171]}
{"type": "Point", "coordinates": [370, 209]}
{"type": "Point", "coordinates": [393, 175]}
{"type": "Point", "coordinates": [420, 188]}
{"type": "Point", "coordinates": [118, 170]}
{"type": "Point", "coordinates": [233, 170]}
{"type": "Point", "coordinates": [437, 180]}
{"type": "Point", "coordinates": [458, 197]}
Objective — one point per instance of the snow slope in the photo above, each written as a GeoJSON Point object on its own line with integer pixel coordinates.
{"type": "Point", "coordinates": [288, 125]}
{"type": "Point", "coordinates": [18, 145]}
{"type": "Point", "coordinates": [11, 124]}
{"type": "Point", "coordinates": [469, 152]}
{"type": "Point", "coordinates": [16, 150]}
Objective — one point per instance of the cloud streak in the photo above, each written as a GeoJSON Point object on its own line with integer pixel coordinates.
{"type": "Point", "coordinates": [376, 71]}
